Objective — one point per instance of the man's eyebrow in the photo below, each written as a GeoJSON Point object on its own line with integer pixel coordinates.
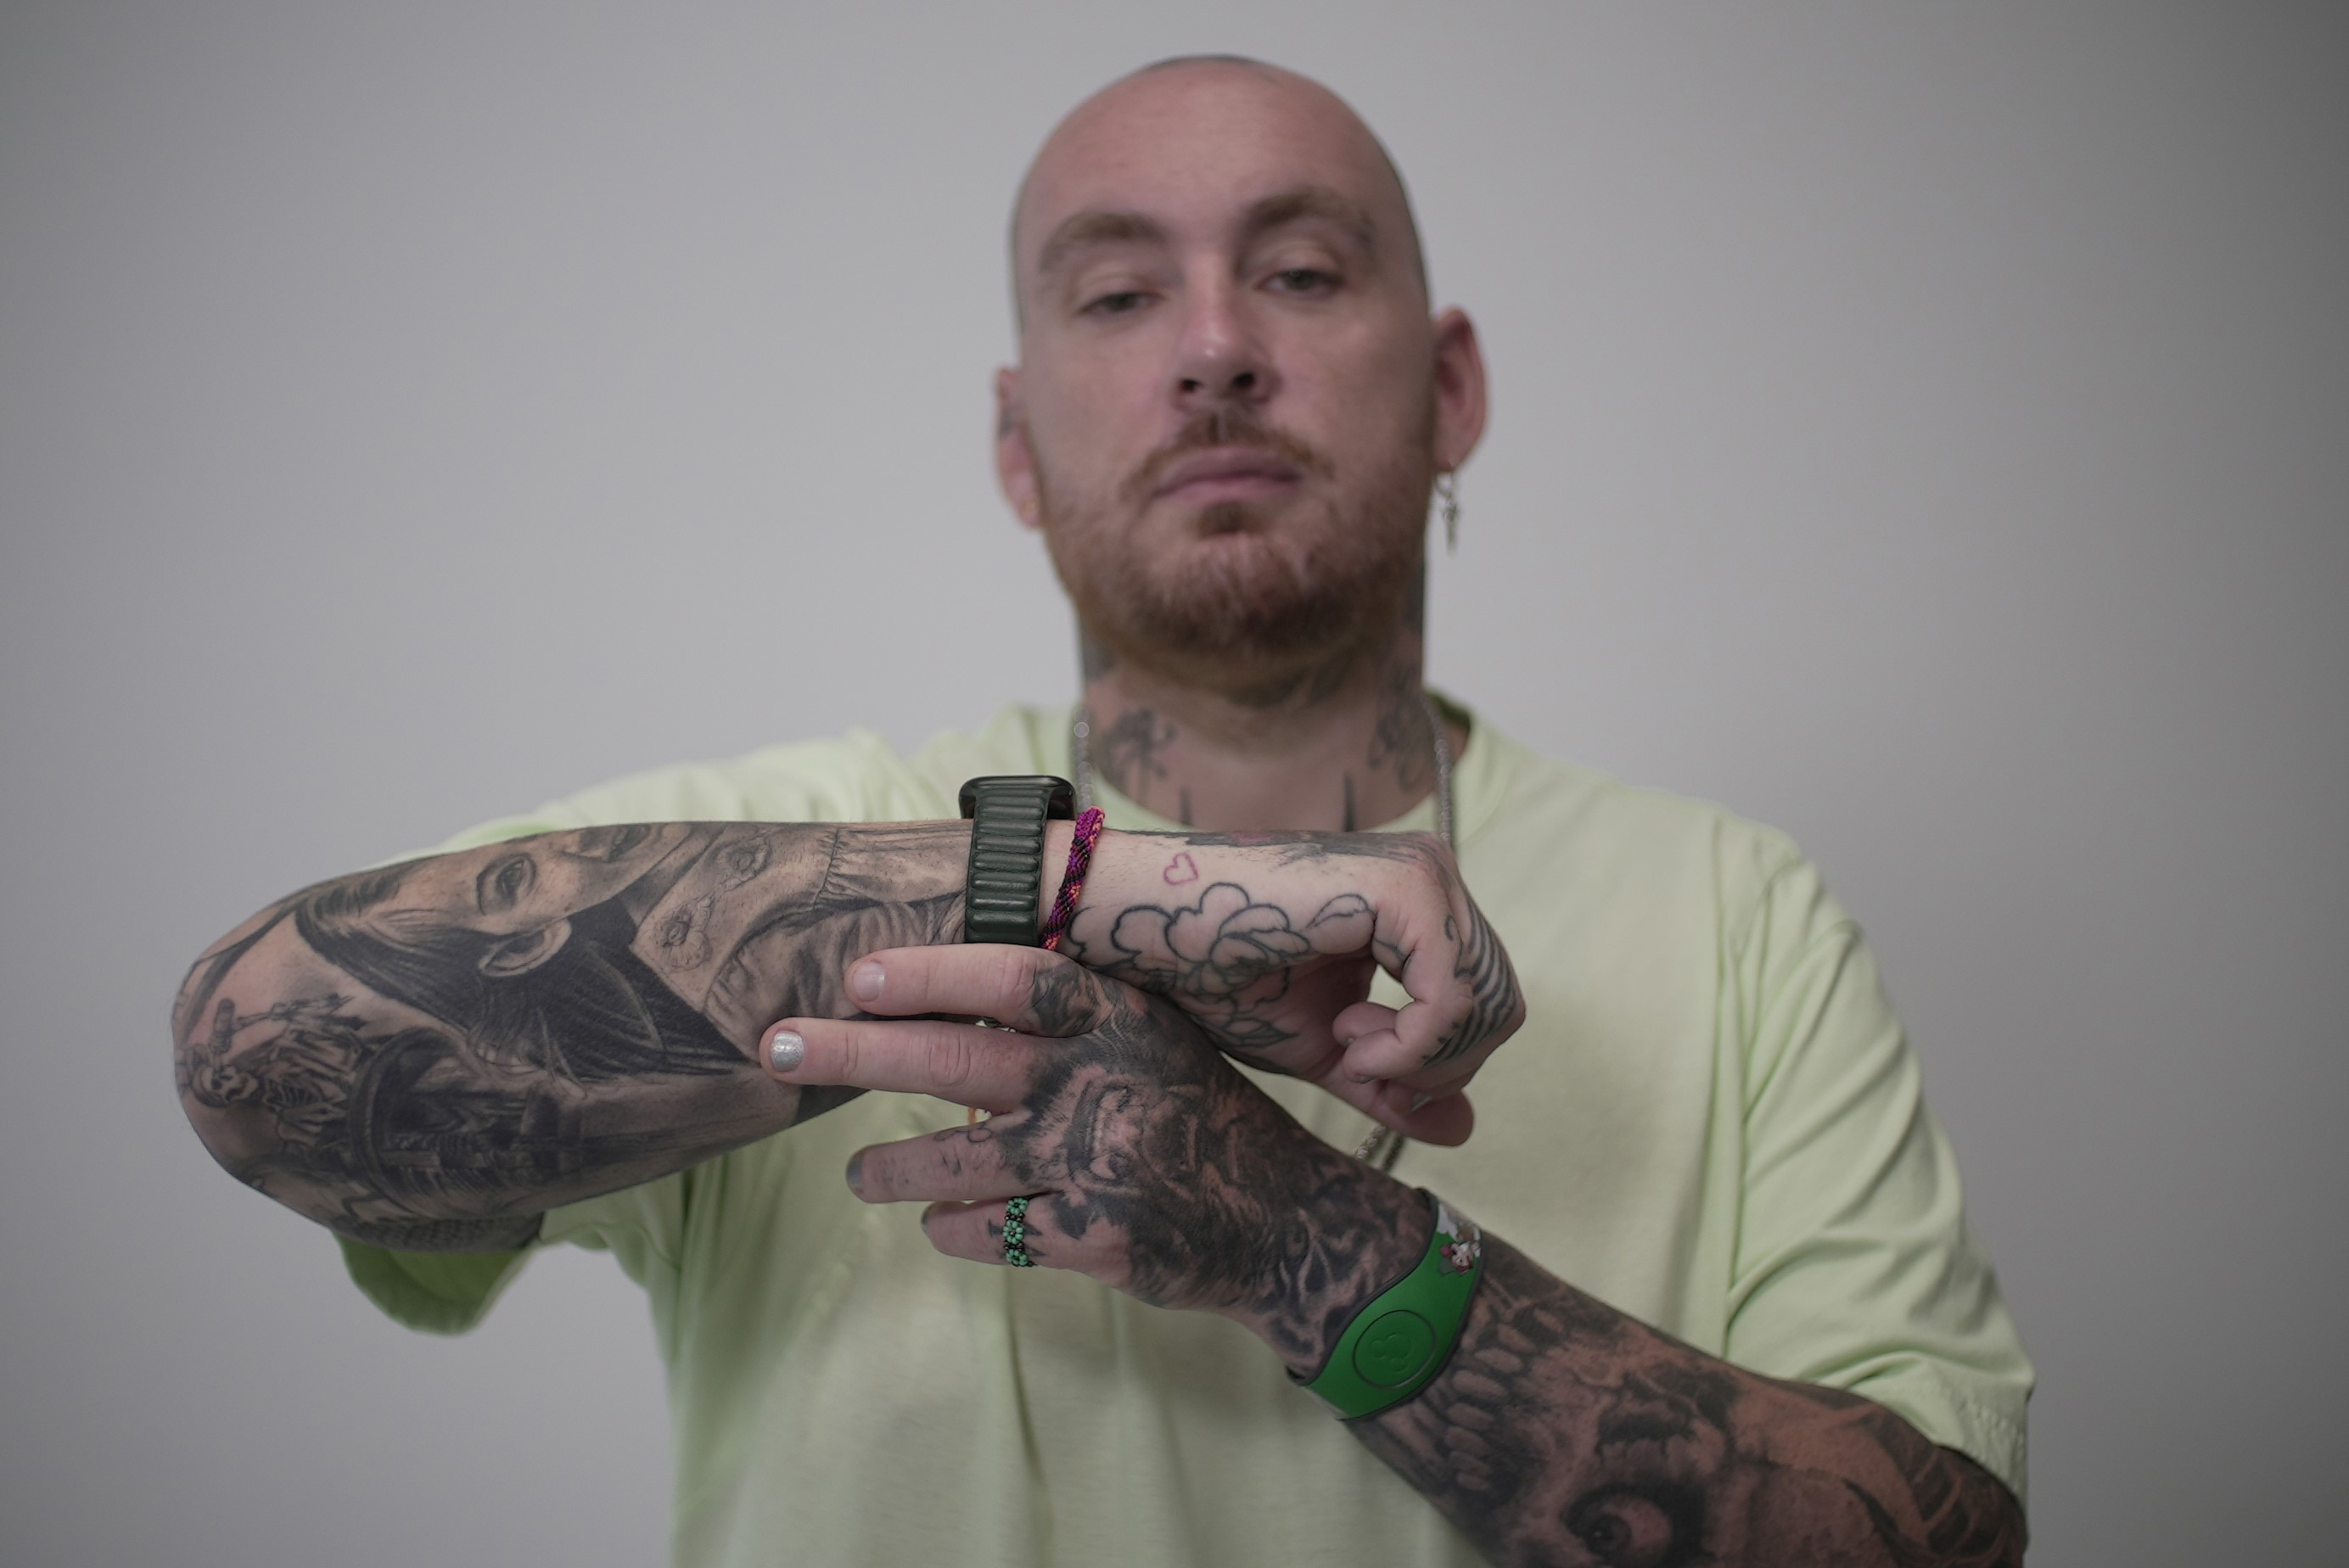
{"type": "Point", "coordinates": [1095, 228]}
{"type": "Point", "coordinates": [1313, 203]}
{"type": "Point", "coordinates": [1102, 226]}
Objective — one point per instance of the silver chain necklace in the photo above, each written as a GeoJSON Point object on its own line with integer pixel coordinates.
{"type": "Point", "coordinates": [1384, 1145]}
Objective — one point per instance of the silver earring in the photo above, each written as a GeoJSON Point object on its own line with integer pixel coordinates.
{"type": "Point", "coordinates": [1447, 496]}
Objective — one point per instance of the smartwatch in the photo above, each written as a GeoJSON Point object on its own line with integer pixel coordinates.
{"type": "Point", "coordinates": [1007, 814]}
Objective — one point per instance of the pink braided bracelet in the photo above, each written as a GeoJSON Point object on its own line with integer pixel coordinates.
{"type": "Point", "coordinates": [1072, 880]}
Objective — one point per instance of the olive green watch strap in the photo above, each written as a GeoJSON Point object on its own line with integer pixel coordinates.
{"type": "Point", "coordinates": [1396, 1345]}
{"type": "Point", "coordinates": [1008, 813]}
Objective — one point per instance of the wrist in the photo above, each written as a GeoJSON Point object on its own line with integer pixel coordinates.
{"type": "Point", "coordinates": [1059, 834]}
{"type": "Point", "coordinates": [1400, 1341]}
{"type": "Point", "coordinates": [1383, 1227]}
{"type": "Point", "coordinates": [1116, 879]}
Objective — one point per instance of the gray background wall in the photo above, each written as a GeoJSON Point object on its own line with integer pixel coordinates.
{"type": "Point", "coordinates": [1923, 430]}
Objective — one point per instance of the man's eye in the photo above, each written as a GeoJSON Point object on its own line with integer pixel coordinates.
{"type": "Point", "coordinates": [1123, 303]}
{"type": "Point", "coordinates": [1303, 281]}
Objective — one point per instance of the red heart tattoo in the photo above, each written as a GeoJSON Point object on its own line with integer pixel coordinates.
{"type": "Point", "coordinates": [1181, 869]}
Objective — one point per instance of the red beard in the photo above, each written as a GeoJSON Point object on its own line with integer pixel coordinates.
{"type": "Point", "coordinates": [1243, 593]}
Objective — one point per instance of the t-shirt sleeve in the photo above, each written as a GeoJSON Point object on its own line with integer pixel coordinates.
{"type": "Point", "coordinates": [1855, 1268]}
{"type": "Point", "coordinates": [433, 1293]}
{"type": "Point", "coordinates": [853, 778]}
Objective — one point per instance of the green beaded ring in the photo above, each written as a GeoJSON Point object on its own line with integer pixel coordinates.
{"type": "Point", "coordinates": [1015, 1234]}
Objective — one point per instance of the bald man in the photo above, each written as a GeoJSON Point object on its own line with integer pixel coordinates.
{"type": "Point", "coordinates": [1699, 1286]}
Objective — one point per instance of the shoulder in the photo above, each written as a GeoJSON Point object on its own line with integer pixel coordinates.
{"type": "Point", "coordinates": [1020, 738]}
{"type": "Point", "coordinates": [1625, 846]}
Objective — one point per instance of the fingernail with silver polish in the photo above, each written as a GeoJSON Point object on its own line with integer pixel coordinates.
{"type": "Point", "coordinates": [785, 1050]}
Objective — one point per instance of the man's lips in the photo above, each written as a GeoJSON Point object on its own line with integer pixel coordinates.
{"type": "Point", "coordinates": [1225, 473]}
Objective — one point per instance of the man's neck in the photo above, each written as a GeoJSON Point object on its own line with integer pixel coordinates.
{"type": "Point", "coordinates": [1347, 748]}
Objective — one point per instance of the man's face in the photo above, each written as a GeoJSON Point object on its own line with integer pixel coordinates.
{"type": "Point", "coordinates": [1231, 400]}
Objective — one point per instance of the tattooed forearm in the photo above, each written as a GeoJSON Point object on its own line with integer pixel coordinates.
{"type": "Point", "coordinates": [430, 1055]}
{"type": "Point", "coordinates": [1290, 848]}
{"type": "Point", "coordinates": [445, 1235]}
{"type": "Point", "coordinates": [1564, 1432]}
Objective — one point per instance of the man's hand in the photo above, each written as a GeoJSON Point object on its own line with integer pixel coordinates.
{"type": "Point", "coordinates": [1268, 941]}
{"type": "Point", "coordinates": [1150, 1163]}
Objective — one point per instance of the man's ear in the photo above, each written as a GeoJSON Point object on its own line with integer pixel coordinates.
{"type": "Point", "coordinates": [521, 952]}
{"type": "Point", "coordinates": [1014, 465]}
{"type": "Point", "coordinates": [1459, 389]}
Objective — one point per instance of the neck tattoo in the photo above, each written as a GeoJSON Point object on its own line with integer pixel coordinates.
{"type": "Point", "coordinates": [1081, 756]}
{"type": "Point", "coordinates": [1384, 1145]}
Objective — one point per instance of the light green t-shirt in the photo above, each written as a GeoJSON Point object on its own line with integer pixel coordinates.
{"type": "Point", "coordinates": [1711, 1119]}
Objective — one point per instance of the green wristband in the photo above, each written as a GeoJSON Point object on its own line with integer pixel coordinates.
{"type": "Point", "coordinates": [1396, 1345]}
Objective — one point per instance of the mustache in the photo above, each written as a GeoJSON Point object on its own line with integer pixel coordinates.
{"type": "Point", "coordinates": [1223, 427]}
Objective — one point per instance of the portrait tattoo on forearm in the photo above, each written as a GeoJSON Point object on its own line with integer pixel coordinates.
{"type": "Point", "coordinates": [431, 1054]}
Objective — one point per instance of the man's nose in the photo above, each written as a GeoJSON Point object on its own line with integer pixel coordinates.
{"type": "Point", "coordinates": [1221, 358]}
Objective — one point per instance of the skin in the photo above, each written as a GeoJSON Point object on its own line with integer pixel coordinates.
{"type": "Point", "coordinates": [1230, 403]}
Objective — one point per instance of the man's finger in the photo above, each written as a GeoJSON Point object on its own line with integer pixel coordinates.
{"type": "Point", "coordinates": [1380, 1056]}
{"type": "Point", "coordinates": [1443, 1117]}
{"type": "Point", "coordinates": [1446, 1119]}
{"type": "Point", "coordinates": [962, 1164]}
{"type": "Point", "coordinates": [1031, 990]}
{"type": "Point", "coordinates": [990, 1068]}
{"type": "Point", "coordinates": [975, 1230]}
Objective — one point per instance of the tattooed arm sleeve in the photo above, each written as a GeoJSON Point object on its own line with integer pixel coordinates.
{"type": "Point", "coordinates": [430, 1055]}
{"type": "Point", "coordinates": [1564, 1432]}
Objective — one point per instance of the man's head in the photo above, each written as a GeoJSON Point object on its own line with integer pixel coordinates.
{"type": "Point", "coordinates": [1231, 400]}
